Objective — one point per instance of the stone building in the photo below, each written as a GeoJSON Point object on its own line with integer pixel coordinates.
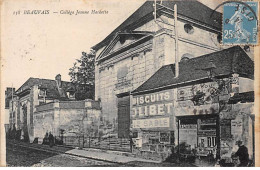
{"type": "Point", "coordinates": [141, 45]}
{"type": "Point", "coordinates": [207, 108]}
{"type": "Point", "coordinates": [36, 92]}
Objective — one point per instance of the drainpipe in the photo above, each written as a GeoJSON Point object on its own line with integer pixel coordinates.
{"type": "Point", "coordinates": [176, 43]}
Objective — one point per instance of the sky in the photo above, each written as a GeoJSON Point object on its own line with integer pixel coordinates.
{"type": "Point", "coordinates": [44, 45]}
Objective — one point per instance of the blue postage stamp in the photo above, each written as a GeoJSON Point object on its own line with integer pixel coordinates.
{"type": "Point", "coordinates": [240, 23]}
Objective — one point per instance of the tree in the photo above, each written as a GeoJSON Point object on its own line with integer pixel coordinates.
{"type": "Point", "coordinates": [82, 74]}
{"type": "Point", "coordinates": [83, 70]}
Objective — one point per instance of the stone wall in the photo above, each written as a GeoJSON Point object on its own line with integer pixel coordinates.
{"type": "Point", "coordinates": [72, 117]}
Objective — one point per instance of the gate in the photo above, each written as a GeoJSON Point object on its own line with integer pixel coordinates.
{"type": "Point", "coordinates": [117, 144]}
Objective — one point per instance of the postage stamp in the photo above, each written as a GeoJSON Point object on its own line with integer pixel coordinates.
{"type": "Point", "coordinates": [240, 23]}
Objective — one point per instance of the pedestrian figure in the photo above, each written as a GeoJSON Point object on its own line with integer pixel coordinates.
{"type": "Point", "coordinates": [131, 143]}
{"type": "Point", "coordinates": [242, 154]}
{"type": "Point", "coordinates": [46, 139]}
{"type": "Point", "coordinates": [51, 140]}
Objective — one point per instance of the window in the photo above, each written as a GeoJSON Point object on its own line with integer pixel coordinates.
{"type": "Point", "coordinates": [122, 72]}
{"type": "Point", "coordinates": [164, 137]}
{"type": "Point", "coordinates": [188, 28]}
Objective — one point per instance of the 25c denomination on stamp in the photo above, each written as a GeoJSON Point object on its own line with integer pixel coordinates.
{"type": "Point", "coordinates": [240, 23]}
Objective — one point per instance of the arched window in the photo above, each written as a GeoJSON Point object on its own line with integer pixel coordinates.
{"type": "Point", "coordinates": [188, 28]}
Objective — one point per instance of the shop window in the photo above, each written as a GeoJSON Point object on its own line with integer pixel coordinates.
{"type": "Point", "coordinates": [164, 137]}
{"type": "Point", "coordinates": [225, 128]}
{"type": "Point", "coordinates": [189, 28]}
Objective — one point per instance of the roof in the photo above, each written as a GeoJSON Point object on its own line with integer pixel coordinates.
{"type": "Point", "coordinates": [191, 9]}
{"type": "Point", "coordinates": [227, 62]}
{"type": "Point", "coordinates": [52, 91]}
{"type": "Point", "coordinates": [137, 37]}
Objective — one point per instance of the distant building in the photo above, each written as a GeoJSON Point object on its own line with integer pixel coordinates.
{"type": "Point", "coordinates": [36, 92]}
{"type": "Point", "coordinates": [8, 96]}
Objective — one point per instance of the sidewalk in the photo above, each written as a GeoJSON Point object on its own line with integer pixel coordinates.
{"type": "Point", "coordinates": [110, 156]}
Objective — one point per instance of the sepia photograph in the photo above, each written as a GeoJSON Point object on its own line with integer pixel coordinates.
{"type": "Point", "coordinates": [140, 83]}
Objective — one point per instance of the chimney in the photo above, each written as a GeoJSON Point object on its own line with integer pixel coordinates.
{"type": "Point", "coordinates": [58, 80]}
{"type": "Point", "coordinates": [9, 90]}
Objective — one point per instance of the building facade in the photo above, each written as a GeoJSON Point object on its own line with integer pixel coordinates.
{"type": "Point", "coordinates": [142, 44]}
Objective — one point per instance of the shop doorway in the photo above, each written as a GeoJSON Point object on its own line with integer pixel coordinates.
{"type": "Point", "coordinates": [198, 133]}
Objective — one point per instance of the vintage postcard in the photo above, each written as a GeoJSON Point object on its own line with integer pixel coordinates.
{"type": "Point", "coordinates": [140, 83]}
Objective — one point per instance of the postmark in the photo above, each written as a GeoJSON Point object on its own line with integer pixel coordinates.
{"type": "Point", "coordinates": [240, 23]}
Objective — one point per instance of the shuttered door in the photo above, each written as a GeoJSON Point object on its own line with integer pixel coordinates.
{"type": "Point", "coordinates": [123, 116]}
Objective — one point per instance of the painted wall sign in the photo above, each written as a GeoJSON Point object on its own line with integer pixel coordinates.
{"type": "Point", "coordinates": [151, 123]}
{"type": "Point", "coordinates": [153, 104]}
{"type": "Point", "coordinates": [188, 126]}
{"type": "Point", "coordinates": [151, 98]}
{"type": "Point", "coordinates": [205, 93]}
{"type": "Point", "coordinates": [187, 93]}
{"type": "Point", "coordinates": [197, 110]}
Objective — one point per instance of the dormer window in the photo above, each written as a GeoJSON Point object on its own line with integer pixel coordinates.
{"type": "Point", "coordinates": [186, 56]}
{"type": "Point", "coordinates": [189, 28]}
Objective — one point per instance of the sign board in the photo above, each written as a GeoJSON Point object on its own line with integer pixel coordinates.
{"type": "Point", "coordinates": [153, 104]}
{"type": "Point", "coordinates": [197, 110]}
{"type": "Point", "coordinates": [236, 127]}
{"type": "Point", "coordinates": [187, 93]}
{"type": "Point", "coordinates": [151, 123]}
{"type": "Point", "coordinates": [225, 128]}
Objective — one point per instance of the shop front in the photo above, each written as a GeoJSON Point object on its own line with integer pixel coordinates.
{"type": "Point", "coordinates": [152, 124]}
{"type": "Point", "coordinates": [198, 129]}
{"type": "Point", "coordinates": [198, 134]}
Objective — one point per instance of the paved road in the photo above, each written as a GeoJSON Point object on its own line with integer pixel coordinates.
{"type": "Point", "coordinates": [17, 155]}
